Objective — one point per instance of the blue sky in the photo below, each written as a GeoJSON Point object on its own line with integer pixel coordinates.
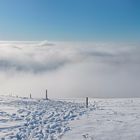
{"type": "Point", "coordinates": [70, 20]}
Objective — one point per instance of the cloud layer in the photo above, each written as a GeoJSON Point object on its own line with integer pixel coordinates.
{"type": "Point", "coordinates": [38, 57]}
{"type": "Point", "coordinates": [70, 69]}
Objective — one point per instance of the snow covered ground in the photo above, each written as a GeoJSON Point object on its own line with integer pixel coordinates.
{"type": "Point", "coordinates": [34, 119]}
{"type": "Point", "coordinates": [113, 119]}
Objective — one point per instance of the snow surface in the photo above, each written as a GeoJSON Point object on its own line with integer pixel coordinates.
{"type": "Point", "coordinates": [34, 119]}
{"type": "Point", "coordinates": [113, 119]}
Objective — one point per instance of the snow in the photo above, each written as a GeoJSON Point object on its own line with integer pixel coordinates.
{"type": "Point", "coordinates": [26, 119]}
{"type": "Point", "coordinates": [113, 119]}
{"type": "Point", "coordinates": [38, 119]}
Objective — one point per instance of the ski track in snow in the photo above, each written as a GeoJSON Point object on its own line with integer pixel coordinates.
{"type": "Point", "coordinates": [32, 119]}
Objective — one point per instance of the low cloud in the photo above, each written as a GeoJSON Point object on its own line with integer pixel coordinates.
{"type": "Point", "coordinates": [70, 69]}
{"type": "Point", "coordinates": [38, 57]}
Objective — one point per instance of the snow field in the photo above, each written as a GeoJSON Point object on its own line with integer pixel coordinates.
{"type": "Point", "coordinates": [32, 119]}
{"type": "Point", "coordinates": [113, 119]}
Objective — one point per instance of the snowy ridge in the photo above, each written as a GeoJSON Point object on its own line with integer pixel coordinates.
{"type": "Point", "coordinates": [32, 119]}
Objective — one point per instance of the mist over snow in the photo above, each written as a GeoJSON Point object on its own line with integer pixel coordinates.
{"type": "Point", "coordinates": [70, 69]}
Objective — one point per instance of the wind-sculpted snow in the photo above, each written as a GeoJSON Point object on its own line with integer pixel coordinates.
{"type": "Point", "coordinates": [26, 119]}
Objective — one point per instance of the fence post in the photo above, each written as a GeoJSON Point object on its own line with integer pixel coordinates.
{"type": "Point", "coordinates": [86, 102]}
{"type": "Point", "coordinates": [46, 95]}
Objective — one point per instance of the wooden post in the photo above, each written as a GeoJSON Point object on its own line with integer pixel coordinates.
{"type": "Point", "coordinates": [86, 102]}
{"type": "Point", "coordinates": [30, 96]}
{"type": "Point", "coordinates": [46, 95]}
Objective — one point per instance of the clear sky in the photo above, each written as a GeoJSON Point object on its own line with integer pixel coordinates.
{"type": "Point", "coordinates": [91, 20]}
